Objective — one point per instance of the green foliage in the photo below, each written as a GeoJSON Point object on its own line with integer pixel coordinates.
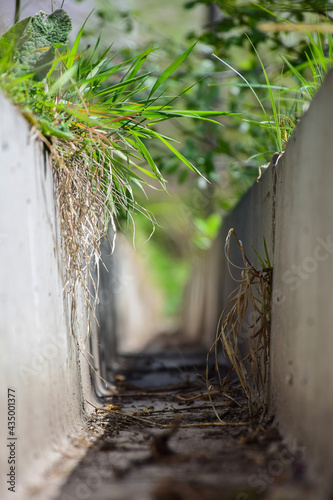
{"type": "Point", "coordinates": [112, 118]}
{"type": "Point", "coordinates": [240, 17]}
{"type": "Point", "coordinates": [280, 72]}
{"type": "Point", "coordinates": [286, 94]}
{"type": "Point", "coordinates": [163, 254]}
{"type": "Point", "coordinates": [98, 114]}
{"type": "Point", "coordinates": [278, 54]}
{"type": "Point", "coordinates": [98, 108]}
{"type": "Point", "coordinates": [207, 230]}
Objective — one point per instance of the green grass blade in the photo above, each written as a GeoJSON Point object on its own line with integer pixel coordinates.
{"type": "Point", "coordinates": [67, 76]}
{"type": "Point", "coordinates": [261, 262]}
{"type": "Point", "coordinates": [170, 69]}
{"type": "Point", "coordinates": [244, 79]}
{"type": "Point", "coordinates": [141, 59]}
{"type": "Point", "coordinates": [74, 49]}
{"type": "Point", "coordinates": [294, 71]}
{"type": "Point", "coordinates": [178, 154]}
{"type": "Point", "coordinates": [148, 157]}
{"type": "Point", "coordinates": [267, 254]}
{"type": "Point", "coordinates": [272, 99]}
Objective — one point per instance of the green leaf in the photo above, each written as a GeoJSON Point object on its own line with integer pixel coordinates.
{"type": "Point", "coordinates": [148, 157]}
{"type": "Point", "coordinates": [9, 41]}
{"type": "Point", "coordinates": [178, 154]}
{"type": "Point", "coordinates": [141, 59]}
{"type": "Point", "coordinates": [74, 49]}
{"type": "Point", "coordinates": [267, 254]}
{"type": "Point", "coordinates": [52, 130]}
{"type": "Point", "coordinates": [162, 115]}
{"type": "Point", "coordinates": [62, 80]}
{"type": "Point", "coordinates": [170, 69]}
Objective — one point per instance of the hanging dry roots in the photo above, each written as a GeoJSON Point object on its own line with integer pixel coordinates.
{"type": "Point", "coordinates": [244, 327]}
{"type": "Point", "coordinates": [83, 215]}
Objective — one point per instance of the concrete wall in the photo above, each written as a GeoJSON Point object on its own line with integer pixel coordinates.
{"type": "Point", "coordinates": [302, 314]}
{"type": "Point", "coordinates": [129, 311]}
{"type": "Point", "coordinates": [292, 208]}
{"type": "Point", "coordinates": [38, 356]}
{"type": "Point", "coordinates": [211, 284]}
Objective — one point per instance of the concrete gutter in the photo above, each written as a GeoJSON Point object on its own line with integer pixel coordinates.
{"type": "Point", "coordinates": [291, 207]}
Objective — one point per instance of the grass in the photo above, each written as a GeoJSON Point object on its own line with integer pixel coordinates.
{"type": "Point", "coordinates": [96, 115]}
{"type": "Point", "coordinates": [246, 344]}
{"type": "Point", "coordinates": [287, 91]}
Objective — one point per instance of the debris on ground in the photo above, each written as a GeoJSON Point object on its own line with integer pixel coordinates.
{"type": "Point", "coordinates": [164, 442]}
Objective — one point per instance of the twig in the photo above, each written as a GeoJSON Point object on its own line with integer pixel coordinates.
{"type": "Point", "coordinates": [198, 396]}
{"type": "Point", "coordinates": [232, 399]}
{"type": "Point", "coordinates": [217, 424]}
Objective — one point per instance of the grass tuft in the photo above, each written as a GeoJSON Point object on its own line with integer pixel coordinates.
{"type": "Point", "coordinates": [244, 342]}
{"type": "Point", "coordinates": [97, 115]}
{"type": "Point", "coordinates": [290, 90]}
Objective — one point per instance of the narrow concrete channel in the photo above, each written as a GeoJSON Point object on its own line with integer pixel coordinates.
{"type": "Point", "coordinates": [162, 440]}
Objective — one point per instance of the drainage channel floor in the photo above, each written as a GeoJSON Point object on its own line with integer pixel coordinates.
{"type": "Point", "coordinates": [162, 440]}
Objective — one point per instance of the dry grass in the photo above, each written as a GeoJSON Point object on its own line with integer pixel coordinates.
{"type": "Point", "coordinates": [86, 201]}
{"type": "Point", "coordinates": [83, 215]}
{"type": "Point", "coordinates": [244, 342]}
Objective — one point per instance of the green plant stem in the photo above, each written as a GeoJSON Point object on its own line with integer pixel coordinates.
{"type": "Point", "coordinates": [17, 11]}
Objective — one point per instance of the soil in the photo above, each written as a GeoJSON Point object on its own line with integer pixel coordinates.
{"type": "Point", "coordinates": [162, 440]}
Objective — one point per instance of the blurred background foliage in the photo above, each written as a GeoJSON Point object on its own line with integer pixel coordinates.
{"type": "Point", "coordinates": [229, 156]}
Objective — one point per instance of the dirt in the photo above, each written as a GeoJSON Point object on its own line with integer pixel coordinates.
{"type": "Point", "coordinates": [162, 440]}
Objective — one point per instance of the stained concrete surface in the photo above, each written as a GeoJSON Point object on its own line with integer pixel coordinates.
{"type": "Point", "coordinates": [162, 441]}
{"type": "Point", "coordinates": [39, 359]}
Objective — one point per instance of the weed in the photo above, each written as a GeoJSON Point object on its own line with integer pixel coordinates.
{"type": "Point", "coordinates": [96, 115]}
{"type": "Point", "coordinates": [251, 299]}
{"type": "Point", "coordinates": [290, 93]}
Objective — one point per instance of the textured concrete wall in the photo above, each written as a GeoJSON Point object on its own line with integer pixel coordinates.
{"type": "Point", "coordinates": [211, 284]}
{"type": "Point", "coordinates": [252, 221]}
{"type": "Point", "coordinates": [38, 356]}
{"type": "Point", "coordinates": [302, 315]}
{"type": "Point", "coordinates": [129, 312]}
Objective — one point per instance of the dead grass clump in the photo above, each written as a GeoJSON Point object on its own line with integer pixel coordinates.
{"type": "Point", "coordinates": [244, 342]}
{"type": "Point", "coordinates": [83, 215]}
